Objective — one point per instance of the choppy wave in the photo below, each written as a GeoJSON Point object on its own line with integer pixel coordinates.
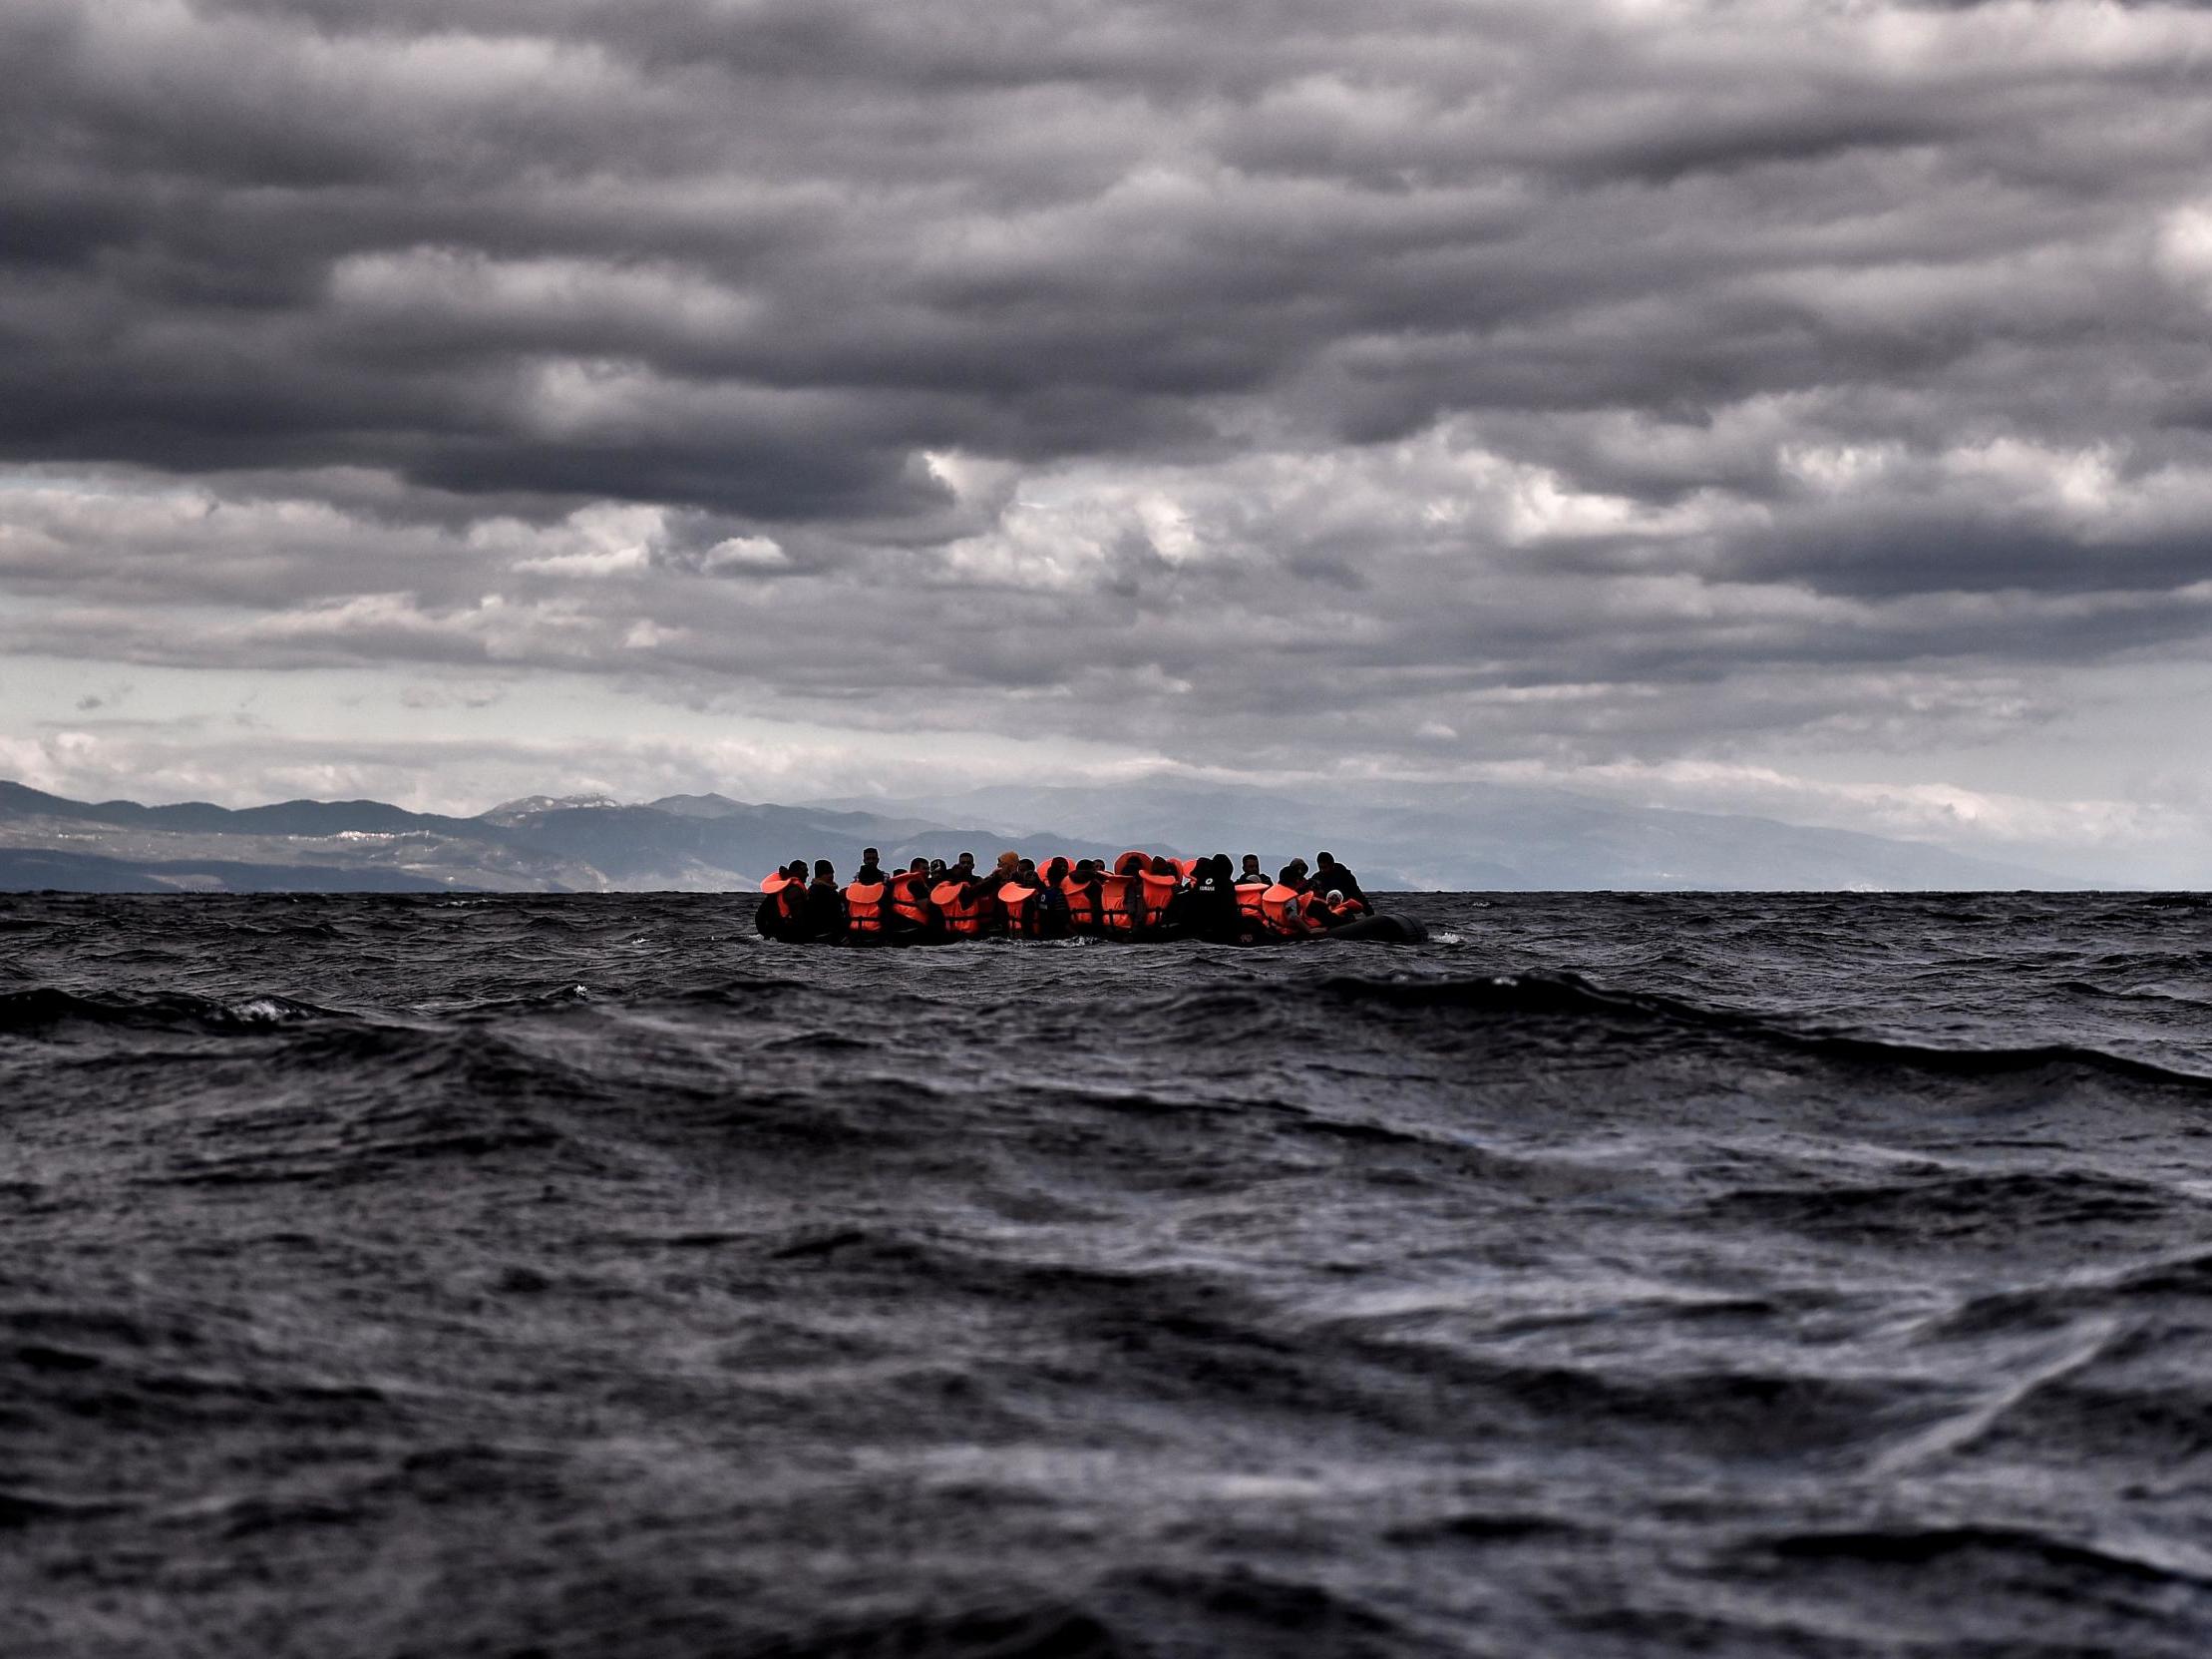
{"type": "Point", "coordinates": [1569, 996]}
{"type": "Point", "coordinates": [46, 1011]}
{"type": "Point", "coordinates": [1613, 1276]}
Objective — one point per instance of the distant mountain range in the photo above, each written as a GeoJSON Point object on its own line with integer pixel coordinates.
{"type": "Point", "coordinates": [1394, 836]}
{"type": "Point", "coordinates": [543, 844]}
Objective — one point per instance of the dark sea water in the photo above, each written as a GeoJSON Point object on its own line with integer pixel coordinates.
{"type": "Point", "coordinates": [1613, 1276]}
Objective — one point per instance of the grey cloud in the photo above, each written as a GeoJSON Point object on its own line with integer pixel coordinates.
{"type": "Point", "coordinates": [1677, 379]}
{"type": "Point", "coordinates": [1193, 657]}
{"type": "Point", "coordinates": [1054, 236]}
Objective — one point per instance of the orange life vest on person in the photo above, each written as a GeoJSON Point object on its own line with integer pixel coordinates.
{"type": "Point", "coordinates": [1248, 901]}
{"type": "Point", "coordinates": [866, 913]}
{"type": "Point", "coordinates": [1159, 893]}
{"type": "Point", "coordinates": [906, 902]}
{"type": "Point", "coordinates": [1349, 908]}
{"type": "Point", "coordinates": [1280, 908]}
{"type": "Point", "coordinates": [1019, 904]}
{"type": "Point", "coordinates": [790, 895]}
{"type": "Point", "coordinates": [1082, 906]}
{"type": "Point", "coordinates": [962, 906]}
{"type": "Point", "coordinates": [1114, 912]}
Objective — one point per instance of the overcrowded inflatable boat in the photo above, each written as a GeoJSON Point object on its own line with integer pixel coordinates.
{"type": "Point", "coordinates": [1139, 898]}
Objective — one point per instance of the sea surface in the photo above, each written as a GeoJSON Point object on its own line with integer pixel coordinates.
{"type": "Point", "coordinates": [1613, 1276]}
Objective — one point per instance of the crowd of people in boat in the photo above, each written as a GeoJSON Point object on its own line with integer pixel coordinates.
{"type": "Point", "coordinates": [1139, 896]}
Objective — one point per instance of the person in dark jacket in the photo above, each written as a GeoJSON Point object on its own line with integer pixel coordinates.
{"type": "Point", "coordinates": [1208, 908]}
{"type": "Point", "coordinates": [1051, 900]}
{"type": "Point", "coordinates": [824, 903]}
{"type": "Point", "coordinates": [1332, 877]}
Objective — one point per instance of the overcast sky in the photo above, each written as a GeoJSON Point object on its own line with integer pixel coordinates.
{"type": "Point", "coordinates": [1795, 408]}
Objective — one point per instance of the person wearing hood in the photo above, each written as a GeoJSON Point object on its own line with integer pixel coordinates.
{"type": "Point", "coordinates": [1208, 907]}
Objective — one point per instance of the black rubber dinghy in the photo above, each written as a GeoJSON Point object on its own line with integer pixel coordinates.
{"type": "Point", "coordinates": [1372, 930]}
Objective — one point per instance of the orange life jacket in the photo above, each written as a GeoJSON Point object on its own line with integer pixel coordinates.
{"type": "Point", "coordinates": [1159, 893]}
{"type": "Point", "coordinates": [1248, 901]}
{"type": "Point", "coordinates": [907, 900]}
{"type": "Point", "coordinates": [1114, 912]}
{"type": "Point", "coordinates": [865, 909]}
{"type": "Point", "coordinates": [790, 895]}
{"type": "Point", "coordinates": [1348, 909]}
{"type": "Point", "coordinates": [1280, 908]}
{"type": "Point", "coordinates": [1019, 904]}
{"type": "Point", "coordinates": [1082, 906]}
{"type": "Point", "coordinates": [962, 906]}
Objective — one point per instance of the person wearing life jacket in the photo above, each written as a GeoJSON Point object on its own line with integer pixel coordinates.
{"type": "Point", "coordinates": [1313, 909]}
{"type": "Point", "coordinates": [910, 909]}
{"type": "Point", "coordinates": [1285, 908]}
{"type": "Point", "coordinates": [1312, 906]}
{"type": "Point", "coordinates": [963, 904]}
{"type": "Point", "coordinates": [782, 913]}
{"type": "Point", "coordinates": [1052, 906]}
{"type": "Point", "coordinates": [1250, 886]}
{"type": "Point", "coordinates": [1336, 910]}
{"type": "Point", "coordinates": [1121, 898]}
{"type": "Point", "coordinates": [1080, 888]}
{"type": "Point", "coordinates": [1019, 899]}
{"type": "Point", "coordinates": [1157, 885]}
{"type": "Point", "coordinates": [867, 906]}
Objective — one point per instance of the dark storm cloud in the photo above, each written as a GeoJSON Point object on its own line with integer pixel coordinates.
{"type": "Point", "coordinates": [1487, 366]}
